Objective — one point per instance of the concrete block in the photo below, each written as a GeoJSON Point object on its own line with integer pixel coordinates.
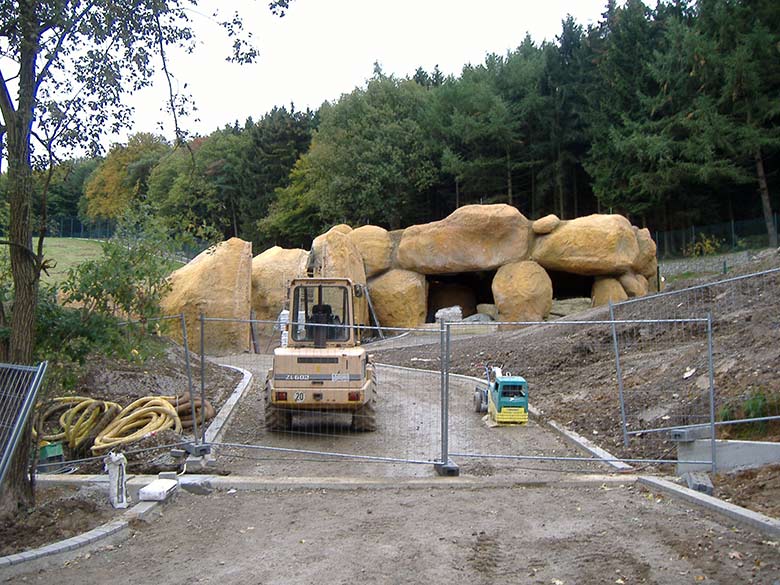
{"type": "Point", "coordinates": [729, 455]}
{"type": "Point", "coordinates": [143, 511]}
{"type": "Point", "coordinates": [159, 490]}
{"type": "Point", "coordinates": [699, 481]}
{"type": "Point", "coordinates": [199, 486]}
{"type": "Point", "coordinates": [686, 435]}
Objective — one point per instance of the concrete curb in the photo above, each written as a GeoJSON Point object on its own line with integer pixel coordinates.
{"type": "Point", "coordinates": [216, 429]}
{"type": "Point", "coordinates": [574, 439]}
{"type": "Point", "coordinates": [254, 483]}
{"type": "Point", "coordinates": [755, 520]}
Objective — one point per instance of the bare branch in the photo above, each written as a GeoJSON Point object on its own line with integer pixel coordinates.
{"type": "Point", "coordinates": [171, 95]}
{"type": "Point", "coordinates": [67, 29]}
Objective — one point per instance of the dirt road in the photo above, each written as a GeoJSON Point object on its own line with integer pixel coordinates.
{"type": "Point", "coordinates": [538, 535]}
{"type": "Point", "coordinates": [409, 428]}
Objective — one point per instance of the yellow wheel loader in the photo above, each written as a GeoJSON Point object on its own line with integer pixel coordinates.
{"type": "Point", "coordinates": [323, 369]}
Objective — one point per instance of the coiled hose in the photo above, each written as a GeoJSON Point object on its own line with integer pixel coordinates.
{"type": "Point", "coordinates": [151, 414]}
{"type": "Point", "coordinates": [101, 425]}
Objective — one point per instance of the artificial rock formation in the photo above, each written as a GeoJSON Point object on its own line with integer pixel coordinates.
{"type": "Point", "coordinates": [375, 246]}
{"type": "Point", "coordinates": [472, 238]}
{"type": "Point", "coordinates": [546, 224]}
{"type": "Point", "coordinates": [216, 284]}
{"type": "Point", "coordinates": [412, 272]}
{"type": "Point", "coordinates": [334, 254]}
{"type": "Point", "coordinates": [272, 272]}
{"type": "Point", "coordinates": [399, 297]}
{"type": "Point", "coordinates": [523, 292]}
{"type": "Point", "coordinates": [607, 289]}
{"type": "Point", "coordinates": [591, 246]}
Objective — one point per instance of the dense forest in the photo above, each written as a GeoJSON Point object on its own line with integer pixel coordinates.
{"type": "Point", "coordinates": [668, 115]}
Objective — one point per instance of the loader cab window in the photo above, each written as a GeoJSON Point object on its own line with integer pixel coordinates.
{"type": "Point", "coordinates": [321, 313]}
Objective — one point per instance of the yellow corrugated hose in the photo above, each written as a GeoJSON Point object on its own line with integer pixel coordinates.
{"type": "Point", "coordinates": [145, 416]}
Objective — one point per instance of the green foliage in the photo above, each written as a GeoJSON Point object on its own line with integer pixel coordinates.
{"type": "Point", "coordinates": [130, 278]}
{"type": "Point", "coordinates": [370, 161]}
{"type": "Point", "coordinates": [757, 404]}
{"type": "Point", "coordinates": [122, 177]}
{"type": "Point", "coordinates": [704, 245]}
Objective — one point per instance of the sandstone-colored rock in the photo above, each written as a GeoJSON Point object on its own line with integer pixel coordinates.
{"type": "Point", "coordinates": [522, 292]}
{"type": "Point", "coordinates": [606, 289]}
{"type": "Point", "coordinates": [488, 309]}
{"type": "Point", "coordinates": [546, 224]}
{"type": "Point", "coordinates": [272, 272]}
{"type": "Point", "coordinates": [341, 228]}
{"type": "Point", "coordinates": [635, 285]}
{"type": "Point", "coordinates": [399, 298]}
{"type": "Point", "coordinates": [472, 238]}
{"type": "Point", "coordinates": [448, 294]}
{"type": "Point", "coordinates": [645, 263]}
{"type": "Point", "coordinates": [375, 247]}
{"type": "Point", "coordinates": [590, 246]}
{"type": "Point", "coordinates": [334, 254]}
{"type": "Point", "coordinates": [216, 283]}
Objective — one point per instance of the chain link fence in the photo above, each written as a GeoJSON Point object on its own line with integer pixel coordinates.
{"type": "Point", "coordinates": [592, 376]}
{"type": "Point", "coordinates": [744, 312]}
{"type": "Point", "coordinates": [724, 237]}
{"type": "Point", "coordinates": [396, 416]}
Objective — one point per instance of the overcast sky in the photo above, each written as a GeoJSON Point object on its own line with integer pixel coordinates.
{"type": "Point", "coordinates": [324, 48]}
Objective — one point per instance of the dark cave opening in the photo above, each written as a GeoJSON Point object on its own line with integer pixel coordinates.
{"type": "Point", "coordinates": [466, 289]}
{"type": "Point", "coordinates": [570, 286]}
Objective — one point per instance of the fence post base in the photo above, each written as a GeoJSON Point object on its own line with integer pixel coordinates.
{"type": "Point", "coordinates": [449, 469]}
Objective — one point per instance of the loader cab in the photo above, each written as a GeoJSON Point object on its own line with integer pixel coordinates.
{"type": "Point", "coordinates": [321, 313]}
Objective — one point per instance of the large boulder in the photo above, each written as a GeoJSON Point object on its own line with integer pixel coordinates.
{"type": "Point", "coordinates": [635, 285]}
{"type": "Point", "coordinates": [399, 298]}
{"type": "Point", "coordinates": [472, 238]}
{"type": "Point", "coordinates": [375, 247]}
{"type": "Point", "coordinates": [590, 246]}
{"type": "Point", "coordinates": [606, 290]}
{"type": "Point", "coordinates": [272, 272]}
{"type": "Point", "coordinates": [523, 292]}
{"type": "Point", "coordinates": [217, 284]}
{"type": "Point", "coordinates": [544, 225]}
{"type": "Point", "coordinates": [645, 262]}
{"type": "Point", "coordinates": [334, 254]}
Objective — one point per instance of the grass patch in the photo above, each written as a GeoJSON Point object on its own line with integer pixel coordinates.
{"type": "Point", "coordinates": [67, 253]}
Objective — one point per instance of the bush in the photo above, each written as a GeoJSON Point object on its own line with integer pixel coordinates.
{"type": "Point", "coordinates": [704, 245]}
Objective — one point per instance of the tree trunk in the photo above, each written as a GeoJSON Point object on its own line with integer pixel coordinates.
{"type": "Point", "coordinates": [508, 177]}
{"type": "Point", "coordinates": [575, 193]}
{"type": "Point", "coordinates": [559, 183]}
{"type": "Point", "coordinates": [457, 193]}
{"type": "Point", "coordinates": [766, 204]}
{"type": "Point", "coordinates": [17, 491]}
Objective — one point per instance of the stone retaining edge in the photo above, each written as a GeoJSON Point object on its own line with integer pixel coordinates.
{"type": "Point", "coordinates": [757, 521]}
{"type": "Point", "coordinates": [217, 427]}
{"type": "Point", "coordinates": [57, 553]}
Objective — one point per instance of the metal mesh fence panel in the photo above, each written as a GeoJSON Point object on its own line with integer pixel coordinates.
{"type": "Point", "coordinates": [18, 388]}
{"type": "Point", "coordinates": [575, 379]}
{"type": "Point", "coordinates": [744, 312]}
{"type": "Point", "coordinates": [388, 414]}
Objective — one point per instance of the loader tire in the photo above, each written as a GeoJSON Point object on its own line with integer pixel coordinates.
{"type": "Point", "coordinates": [276, 419]}
{"type": "Point", "coordinates": [477, 401]}
{"type": "Point", "coordinates": [364, 418]}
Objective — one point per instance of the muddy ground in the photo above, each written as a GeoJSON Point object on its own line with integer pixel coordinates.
{"type": "Point", "coordinates": [536, 535]}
